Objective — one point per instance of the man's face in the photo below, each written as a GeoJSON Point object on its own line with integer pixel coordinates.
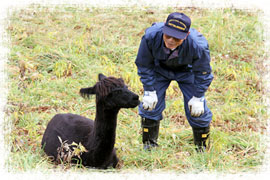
{"type": "Point", "coordinates": [172, 42]}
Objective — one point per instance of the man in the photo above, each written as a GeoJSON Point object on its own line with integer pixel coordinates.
{"type": "Point", "coordinates": [174, 51]}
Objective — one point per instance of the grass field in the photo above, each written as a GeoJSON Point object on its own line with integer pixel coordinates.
{"type": "Point", "coordinates": [54, 51]}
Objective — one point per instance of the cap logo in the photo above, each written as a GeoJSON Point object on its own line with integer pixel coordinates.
{"type": "Point", "coordinates": [177, 26]}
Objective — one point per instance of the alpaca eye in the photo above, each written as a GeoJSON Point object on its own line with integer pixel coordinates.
{"type": "Point", "coordinates": [110, 95]}
{"type": "Point", "coordinates": [118, 91]}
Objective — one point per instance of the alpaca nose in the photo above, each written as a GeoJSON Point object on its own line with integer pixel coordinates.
{"type": "Point", "coordinates": [135, 97]}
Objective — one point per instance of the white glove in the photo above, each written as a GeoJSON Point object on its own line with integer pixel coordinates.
{"type": "Point", "coordinates": [149, 100]}
{"type": "Point", "coordinates": [196, 106]}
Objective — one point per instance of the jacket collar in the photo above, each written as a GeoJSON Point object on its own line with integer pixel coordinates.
{"type": "Point", "coordinates": [172, 53]}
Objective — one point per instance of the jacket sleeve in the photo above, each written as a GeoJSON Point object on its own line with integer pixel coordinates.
{"type": "Point", "coordinates": [201, 67]}
{"type": "Point", "coordinates": [202, 82]}
{"type": "Point", "coordinates": [145, 65]}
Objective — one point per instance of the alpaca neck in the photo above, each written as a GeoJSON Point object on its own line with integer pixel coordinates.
{"type": "Point", "coordinates": [104, 132]}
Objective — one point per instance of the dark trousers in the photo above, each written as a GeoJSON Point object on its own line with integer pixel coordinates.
{"type": "Point", "coordinates": [185, 83]}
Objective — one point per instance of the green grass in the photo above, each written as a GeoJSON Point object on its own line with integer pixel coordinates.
{"type": "Point", "coordinates": [56, 51]}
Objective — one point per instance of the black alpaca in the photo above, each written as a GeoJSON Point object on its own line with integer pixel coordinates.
{"type": "Point", "coordinates": [98, 137]}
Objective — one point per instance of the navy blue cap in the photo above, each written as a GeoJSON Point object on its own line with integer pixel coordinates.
{"type": "Point", "coordinates": [177, 25]}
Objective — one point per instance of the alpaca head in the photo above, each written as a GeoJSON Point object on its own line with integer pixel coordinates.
{"type": "Point", "coordinates": [112, 92]}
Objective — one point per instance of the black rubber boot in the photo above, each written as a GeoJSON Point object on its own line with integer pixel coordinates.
{"type": "Point", "coordinates": [150, 130]}
{"type": "Point", "coordinates": [201, 138]}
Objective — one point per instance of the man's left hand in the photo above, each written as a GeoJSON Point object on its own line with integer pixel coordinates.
{"type": "Point", "coordinates": [196, 106]}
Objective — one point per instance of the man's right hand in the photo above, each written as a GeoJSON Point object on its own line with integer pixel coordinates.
{"type": "Point", "coordinates": [149, 100]}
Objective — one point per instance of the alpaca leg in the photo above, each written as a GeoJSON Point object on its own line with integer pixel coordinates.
{"type": "Point", "coordinates": [115, 159]}
{"type": "Point", "coordinates": [111, 162]}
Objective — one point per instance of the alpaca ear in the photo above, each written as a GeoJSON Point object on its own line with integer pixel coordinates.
{"type": "Point", "coordinates": [85, 92]}
{"type": "Point", "coordinates": [101, 76]}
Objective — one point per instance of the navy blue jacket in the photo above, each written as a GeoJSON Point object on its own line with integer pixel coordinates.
{"type": "Point", "coordinates": [193, 55]}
